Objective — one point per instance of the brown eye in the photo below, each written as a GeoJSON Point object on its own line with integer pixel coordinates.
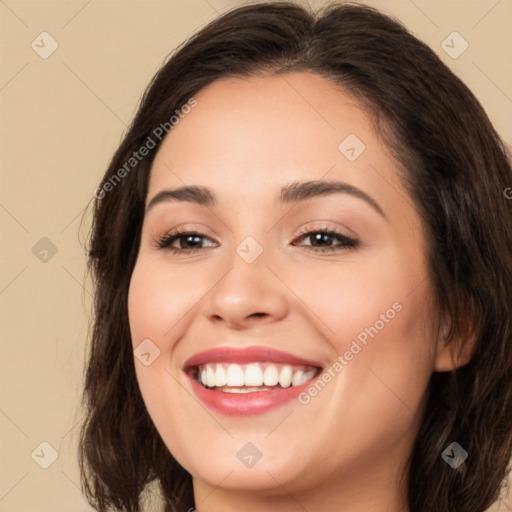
{"type": "Point", "coordinates": [325, 240]}
{"type": "Point", "coordinates": [185, 242]}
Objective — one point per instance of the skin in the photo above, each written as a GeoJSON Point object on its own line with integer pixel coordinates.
{"type": "Point", "coordinates": [347, 449]}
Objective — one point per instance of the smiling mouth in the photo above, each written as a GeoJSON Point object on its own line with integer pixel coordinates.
{"type": "Point", "coordinates": [251, 377]}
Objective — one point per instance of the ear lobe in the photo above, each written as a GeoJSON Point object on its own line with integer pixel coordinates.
{"type": "Point", "coordinates": [455, 352]}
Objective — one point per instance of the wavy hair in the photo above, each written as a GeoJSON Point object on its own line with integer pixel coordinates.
{"type": "Point", "coordinates": [457, 171]}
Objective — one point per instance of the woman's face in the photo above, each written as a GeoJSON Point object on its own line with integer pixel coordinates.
{"type": "Point", "coordinates": [327, 288]}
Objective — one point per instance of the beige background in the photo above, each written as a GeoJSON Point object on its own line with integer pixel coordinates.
{"type": "Point", "coordinates": [62, 118]}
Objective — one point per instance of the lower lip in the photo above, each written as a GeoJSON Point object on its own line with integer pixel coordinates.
{"type": "Point", "coordinates": [245, 404]}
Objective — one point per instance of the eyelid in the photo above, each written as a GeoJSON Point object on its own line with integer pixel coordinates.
{"type": "Point", "coordinates": [328, 225]}
{"type": "Point", "coordinates": [189, 228]}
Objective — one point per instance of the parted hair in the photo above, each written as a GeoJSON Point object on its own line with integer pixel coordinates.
{"type": "Point", "coordinates": [456, 171]}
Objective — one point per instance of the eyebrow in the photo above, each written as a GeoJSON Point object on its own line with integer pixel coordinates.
{"type": "Point", "coordinates": [292, 193]}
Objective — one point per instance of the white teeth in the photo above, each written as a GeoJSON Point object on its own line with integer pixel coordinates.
{"type": "Point", "coordinates": [235, 375]}
{"type": "Point", "coordinates": [227, 389]}
{"type": "Point", "coordinates": [251, 377]}
{"type": "Point", "coordinates": [308, 376]}
{"type": "Point", "coordinates": [220, 376]}
{"type": "Point", "coordinates": [298, 378]}
{"type": "Point", "coordinates": [210, 376]}
{"type": "Point", "coordinates": [285, 377]}
{"type": "Point", "coordinates": [270, 376]}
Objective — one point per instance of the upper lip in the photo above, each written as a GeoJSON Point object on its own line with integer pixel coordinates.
{"type": "Point", "coordinates": [246, 355]}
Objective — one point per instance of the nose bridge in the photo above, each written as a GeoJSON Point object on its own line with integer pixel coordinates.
{"type": "Point", "coordinates": [247, 289]}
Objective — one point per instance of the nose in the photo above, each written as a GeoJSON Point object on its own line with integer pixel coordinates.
{"type": "Point", "coordinates": [247, 294]}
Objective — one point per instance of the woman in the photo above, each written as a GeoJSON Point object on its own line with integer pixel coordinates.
{"type": "Point", "coordinates": [303, 261]}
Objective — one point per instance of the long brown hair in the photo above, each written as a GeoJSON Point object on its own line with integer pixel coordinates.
{"type": "Point", "coordinates": [457, 172]}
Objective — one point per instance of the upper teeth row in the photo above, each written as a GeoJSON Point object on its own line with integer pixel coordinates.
{"type": "Point", "coordinates": [222, 374]}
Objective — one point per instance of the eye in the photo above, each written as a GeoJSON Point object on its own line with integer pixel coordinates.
{"type": "Point", "coordinates": [320, 240]}
{"type": "Point", "coordinates": [327, 240]}
{"type": "Point", "coordinates": [183, 241]}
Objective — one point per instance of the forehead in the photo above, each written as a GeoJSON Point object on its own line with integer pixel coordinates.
{"type": "Point", "coordinates": [247, 134]}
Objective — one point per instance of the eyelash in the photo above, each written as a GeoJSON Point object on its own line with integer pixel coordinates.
{"type": "Point", "coordinates": [346, 243]}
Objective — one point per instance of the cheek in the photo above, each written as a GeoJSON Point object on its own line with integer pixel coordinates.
{"type": "Point", "coordinates": [159, 298]}
{"type": "Point", "coordinates": [158, 302]}
{"type": "Point", "coordinates": [378, 331]}
{"type": "Point", "coordinates": [346, 299]}
{"type": "Point", "coordinates": [376, 317]}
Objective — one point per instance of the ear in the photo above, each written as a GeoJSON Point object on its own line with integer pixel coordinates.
{"type": "Point", "coordinates": [456, 352]}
